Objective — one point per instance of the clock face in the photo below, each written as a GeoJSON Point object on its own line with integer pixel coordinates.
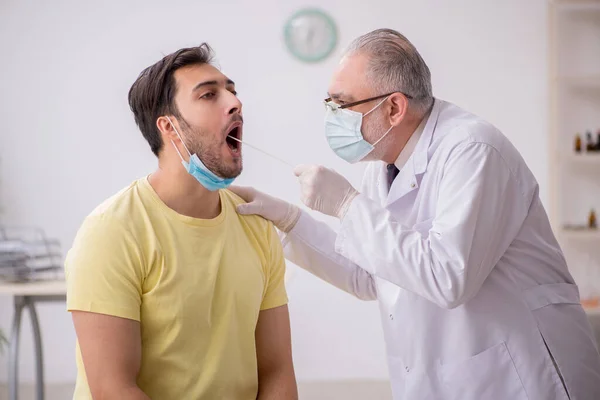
{"type": "Point", "coordinates": [310, 35]}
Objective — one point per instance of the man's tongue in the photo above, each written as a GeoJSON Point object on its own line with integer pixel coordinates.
{"type": "Point", "coordinates": [232, 143]}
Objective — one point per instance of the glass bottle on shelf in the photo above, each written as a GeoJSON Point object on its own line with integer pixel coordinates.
{"type": "Point", "coordinates": [577, 143]}
{"type": "Point", "coordinates": [592, 220]}
{"type": "Point", "coordinates": [590, 146]}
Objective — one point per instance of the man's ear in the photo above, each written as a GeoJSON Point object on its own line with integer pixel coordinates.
{"type": "Point", "coordinates": [167, 125]}
{"type": "Point", "coordinates": [399, 108]}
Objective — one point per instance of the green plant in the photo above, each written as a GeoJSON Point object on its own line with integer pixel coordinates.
{"type": "Point", "coordinates": [3, 341]}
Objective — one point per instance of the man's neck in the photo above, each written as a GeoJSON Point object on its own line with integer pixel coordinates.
{"type": "Point", "coordinates": [182, 193]}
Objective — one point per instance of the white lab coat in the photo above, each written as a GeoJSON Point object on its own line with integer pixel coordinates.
{"type": "Point", "coordinates": [476, 299]}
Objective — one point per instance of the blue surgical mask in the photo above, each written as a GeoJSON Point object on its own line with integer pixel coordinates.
{"type": "Point", "coordinates": [198, 170]}
{"type": "Point", "coordinates": [343, 132]}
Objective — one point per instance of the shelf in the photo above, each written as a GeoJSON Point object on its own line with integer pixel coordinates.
{"type": "Point", "coordinates": [580, 234]}
{"type": "Point", "coordinates": [583, 158]}
{"type": "Point", "coordinates": [578, 5]}
{"type": "Point", "coordinates": [582, 81]}
{"type": "Point", "coordinates": [34, 288]}
{"type": "Point", "coordinates": [593, 311]}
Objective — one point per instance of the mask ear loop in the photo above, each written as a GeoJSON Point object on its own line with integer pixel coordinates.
{"type": "Point", "coordinates": [388, 131]}
{"type": "Point", "coordinates": [179, 136]}
{"type": "Point", "coordinates": [384, 135]}
{"type": "Point", "coordinates": [374, 108]}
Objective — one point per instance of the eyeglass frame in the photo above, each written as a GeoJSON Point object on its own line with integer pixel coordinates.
{"type": "Point", "coordinates": [356, 103]}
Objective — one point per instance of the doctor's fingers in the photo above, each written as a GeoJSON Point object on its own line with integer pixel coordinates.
{"type": "Point", "coordinates": [245, 192]}
{"type": "Point", "coordinates": [255, 207]}
{"type": "Point", "coordinates": [302, 169]}
{"type": "Point", "coordinates": [311, 174]}
{"type": "Point", "coordinates": [254, 203]}
{"type": "Point", "coordinates": [310, 177]}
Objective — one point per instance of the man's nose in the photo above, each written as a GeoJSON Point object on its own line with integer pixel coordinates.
{"type": "Point", "coordinates": [235, 105]}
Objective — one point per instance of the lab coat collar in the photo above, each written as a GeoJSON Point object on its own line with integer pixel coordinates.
{"type": "Point", "coordinates": [410, 145]}
{"type": "Point", "coordinates": [407, 181]}
{"type": "Point", "coordinates": [420, 156]}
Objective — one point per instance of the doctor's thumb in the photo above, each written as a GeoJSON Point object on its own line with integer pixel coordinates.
{"type": "Point", "coordinates": [248, 209]}
{"type": "Point", "coordinates": [244, 209]}
{"type": "Point", "coordinates": [301, 168]}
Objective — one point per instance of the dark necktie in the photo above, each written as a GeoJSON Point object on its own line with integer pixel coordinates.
{"type": "Point", "coordinates": [392, 172]}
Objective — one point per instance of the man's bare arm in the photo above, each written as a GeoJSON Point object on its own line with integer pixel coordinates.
{"type": "Point", "coordinates": [276, 379]}
{"type": "Point", "coordinates": [111, 349]}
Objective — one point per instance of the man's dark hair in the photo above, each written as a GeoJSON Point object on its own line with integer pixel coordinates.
{"type": "Point", "coordinates": [153, 92]}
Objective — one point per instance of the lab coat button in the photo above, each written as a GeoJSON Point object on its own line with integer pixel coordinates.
{"type": "Point", "coordinates": [412, 185]}
{"type": "Point", "coordinates": [391, 317]}
{"type": "Point", "coordinates": [407, 369]}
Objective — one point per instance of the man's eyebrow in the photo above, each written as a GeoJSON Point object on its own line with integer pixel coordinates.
{"type": "Point", "coordinates": [228, 82]}
{"type": "Point", "coordinates": [338, 96]}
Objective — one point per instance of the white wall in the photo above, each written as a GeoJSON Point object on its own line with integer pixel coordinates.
{"type": "Point", "coordinates": [68, 140]}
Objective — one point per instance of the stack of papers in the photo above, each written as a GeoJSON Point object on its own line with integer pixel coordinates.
{"type": "Point", "coordinates": [28, 257]}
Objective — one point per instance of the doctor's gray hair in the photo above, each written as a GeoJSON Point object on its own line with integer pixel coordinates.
{"type": "Point", "coordinates": [395, 64]}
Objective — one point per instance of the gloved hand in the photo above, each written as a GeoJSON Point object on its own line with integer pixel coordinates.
{"type": "Point", "coordinates": [283, 214]}
{"type": "Point", "coordinates": [324, 190]}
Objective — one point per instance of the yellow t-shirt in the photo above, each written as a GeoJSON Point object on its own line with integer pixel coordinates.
{"type": "Point", "coordinates": [196, 286]}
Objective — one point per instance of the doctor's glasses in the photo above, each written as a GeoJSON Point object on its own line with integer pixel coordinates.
{"type": "Point", "coordinates": [330, 105]}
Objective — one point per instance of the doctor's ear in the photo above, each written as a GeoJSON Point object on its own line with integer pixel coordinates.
{"type": "Point", "coordinates": [399, 108]}
{"type": "Point", "coordinates": [167, 125]}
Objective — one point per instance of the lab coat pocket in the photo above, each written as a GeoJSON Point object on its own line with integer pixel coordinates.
{"type": "Point", "coordinates": [572, 356]}
{"type": "Point", "coordinates": [490, 374]}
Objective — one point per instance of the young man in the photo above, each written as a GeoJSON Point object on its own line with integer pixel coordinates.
{"type": "Point", "coordinates": [173, 294]}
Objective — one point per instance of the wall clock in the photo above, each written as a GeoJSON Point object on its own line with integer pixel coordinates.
{"type": "Point", "coordinates": [310, 35]}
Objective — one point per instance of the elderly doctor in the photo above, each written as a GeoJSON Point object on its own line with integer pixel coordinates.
{"type": "Point", "coordinates": [447, 232]}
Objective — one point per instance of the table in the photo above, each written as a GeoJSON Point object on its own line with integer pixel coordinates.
{"type": "Point", "coordinates": [593, 312]}
{"type": "Point", "coordinates": [25, 295]}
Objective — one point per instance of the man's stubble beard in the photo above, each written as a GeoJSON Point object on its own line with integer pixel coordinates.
{"type": "Point", "coordinates": [210, 153]}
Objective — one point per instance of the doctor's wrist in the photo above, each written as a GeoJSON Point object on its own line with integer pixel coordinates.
{"type": "Point", "coordinates": [291, 218]}
{"type": "Point", "coordinates": [347, 202]}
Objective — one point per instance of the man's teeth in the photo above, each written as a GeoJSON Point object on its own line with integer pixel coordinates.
{"type": "Point", "coordinates": [232, 144]}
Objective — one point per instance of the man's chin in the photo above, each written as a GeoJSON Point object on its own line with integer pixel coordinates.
{"type": "Point", "coordinates": [236, 174]}
{"type": "Point", "coordinates": [233, 171]}
{"type": "Point", "coordinates": [239, 167]}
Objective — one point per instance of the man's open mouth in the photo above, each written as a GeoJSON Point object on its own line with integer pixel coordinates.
{"type": "Point", "coordinates": [233, 139]}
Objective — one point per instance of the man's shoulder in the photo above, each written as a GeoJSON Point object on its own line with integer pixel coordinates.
{"type": "Point", "coordinates": [457, 129]}
{"type": "Point", "coordinates": [231, 197]}
{"type": "Point", "coordinates": [456, 125]}
{"type": "Point", "coordinates": [258, 224]}
{"type": "Point", "coordinates": [116, 201]}
{"type": "Point", "coordinates": [121, 209]}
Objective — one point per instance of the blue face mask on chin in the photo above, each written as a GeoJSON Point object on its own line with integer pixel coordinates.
{"type": "Point", "coordinates": [198, 170]}
{"type": "Point", "coordinates": [205, 176]}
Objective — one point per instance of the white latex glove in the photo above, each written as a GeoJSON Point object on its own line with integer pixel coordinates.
{"type": "Point", "coordinates": [324, 190]}
{"type": "Point", "coordinates": [283, 214]}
